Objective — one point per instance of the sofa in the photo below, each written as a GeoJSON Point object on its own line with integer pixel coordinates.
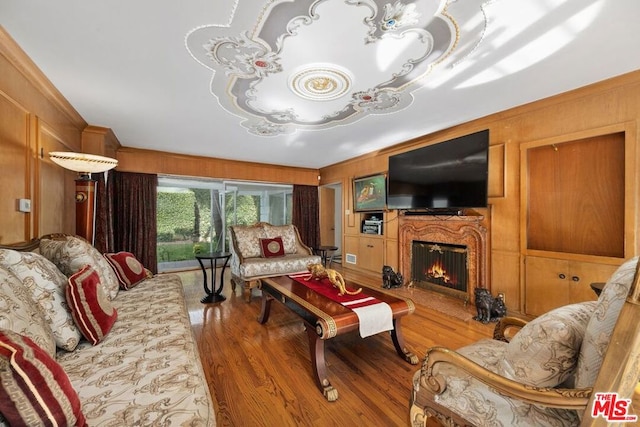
{"type": "Point", "coordinates": [550, 371]}
{"type": "Point", "coordinates": [98, 340]}
{"type": "Point", "coordinates": [264, 250]}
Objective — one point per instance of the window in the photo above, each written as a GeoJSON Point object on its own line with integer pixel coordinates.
{"type": "Point", "coordinates": [192, 212]}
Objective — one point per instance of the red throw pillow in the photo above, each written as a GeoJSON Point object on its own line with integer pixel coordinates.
{"type": "Point", "coordinates": [271, 248]}
{"type": "Point", "coordinates": [91, 309]}
{"type": "Point", "coordinates": [129, 270]}
{"type": "Point", "coordinates": [34, 389]}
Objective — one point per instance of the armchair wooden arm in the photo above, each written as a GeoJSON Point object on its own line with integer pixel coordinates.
{"type": "Point", "coordinates": [551, 397]}
{"type": "Point", "coordinates": [505, 325]}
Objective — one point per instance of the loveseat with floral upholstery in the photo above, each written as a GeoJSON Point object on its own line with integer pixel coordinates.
{"type": "Point", "coordinates": [561, 369]}
{"type": "Point", "coordinates": [264, 250]}
{"type": "Point", "coordinates": [87, 339]}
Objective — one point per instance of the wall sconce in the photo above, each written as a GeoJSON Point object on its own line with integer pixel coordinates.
{"type": "Point", "coordinates": [85, 165]}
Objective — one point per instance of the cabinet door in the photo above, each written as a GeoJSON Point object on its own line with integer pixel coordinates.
{"type": "Point", "coordinates": [371, 253]}
{"type": "Point", "coordinates": [546, 284]}
{"type": "Point", "coordinates": [552, 283]}
{"type": "Point", "coordinates": [583, 274]}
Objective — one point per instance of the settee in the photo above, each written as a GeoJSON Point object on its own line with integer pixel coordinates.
{"type": "Point", "coordinates": [576, 365]}
{"type": "Point", "coordinates": [98, 340]}
{"type": "Point", "coordinates": [264, 250]}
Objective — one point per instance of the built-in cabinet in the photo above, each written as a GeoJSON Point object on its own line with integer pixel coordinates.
{"type": "Point", "coordinates": [367, 250]}
{"type": "Point", "coordinates": [576, 199]}
{"type": "Point", "coordinates": [554, 282]}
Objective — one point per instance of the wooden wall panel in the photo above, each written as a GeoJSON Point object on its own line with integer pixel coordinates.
{"type": "Point", "coordinates": [603, 104]}
{"type": "Point", "coordinates": [147, 161]}
{"type": "Point", "coordinates": [15, 169]}
{"type": "Point", "coordinates": [56, 187]}
{"type": "Point", "coordinates": [27, 101]}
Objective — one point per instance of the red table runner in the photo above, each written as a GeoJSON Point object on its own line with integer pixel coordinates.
{"type": "Point", "coordinates": [374, 316]}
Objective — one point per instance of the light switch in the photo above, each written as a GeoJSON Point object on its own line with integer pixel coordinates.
{"type": "Point", "coordinates": [24, 205]}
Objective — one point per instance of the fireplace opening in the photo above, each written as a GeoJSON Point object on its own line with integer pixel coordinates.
{"type": "Point", "coordinates": [441, 267]}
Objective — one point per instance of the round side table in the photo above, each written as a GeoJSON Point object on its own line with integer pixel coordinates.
{"type": "Point", "coordinates": [213, 294]}
{"type": "Point", "coordinates": [326, 253]}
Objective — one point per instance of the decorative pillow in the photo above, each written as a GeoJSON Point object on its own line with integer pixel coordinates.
{"type": "Point", "coordinates": [71, 253]}
{"type": "Point", "coordinates": [34, 389]}
{"type": "Point", "coordinates": [129, 270]}
{"type": "Point", "coordinates": [20, 314]}
{"type": "Point", "coordinates": [47, 286]}
{"type": "Point", "coordinates": [544, 353]}
{"type": "Point", "coordinates": [248, 239]}
{"type": "Point", "coordinates": [271, 248]}
{"type": "Point", "coordinates": [601, 324]}
{"type": "Point", "coordinates": [288, 234]}
{"type": "Point", "coordinates": [91, 309]}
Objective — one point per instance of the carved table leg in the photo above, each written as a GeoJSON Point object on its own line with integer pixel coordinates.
{"type": "Point", "coordinates": [316, 347]}
{"type": "Point", "coordinates": [398, 342]}
{"type": "Point", "coordinates": [266, 308]}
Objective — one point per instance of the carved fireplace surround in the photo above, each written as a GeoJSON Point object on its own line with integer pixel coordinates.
{"type": "Point", "coordinates": [456, 230]}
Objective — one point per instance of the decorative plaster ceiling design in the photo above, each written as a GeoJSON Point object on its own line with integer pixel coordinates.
{"type": "Point", "coordinates": [297, 68]}
{"type": "Point", "coordinates": [129, 66]}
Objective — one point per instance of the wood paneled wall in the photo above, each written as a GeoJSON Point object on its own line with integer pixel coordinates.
{"type": "Point", "coordinates": [34, 119]}
{"type": "Point", "coordinates": [612, 102]}
{"type": "Point", "coordinates": [148, 161]}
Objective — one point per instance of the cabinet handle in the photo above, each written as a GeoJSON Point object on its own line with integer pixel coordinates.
{"type": "Point", "coordinates": [562, 276]}
{"type": "Point", "coordinates": [575, 278]}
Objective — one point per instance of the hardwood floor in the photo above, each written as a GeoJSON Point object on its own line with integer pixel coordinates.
{"type": "Point", "coordinates": [260, 375]}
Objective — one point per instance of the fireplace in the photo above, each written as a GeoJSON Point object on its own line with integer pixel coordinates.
{"type": "Point", "coordinates": [441, 266]}
{"type": "Point", "coordinates": [465, 239]}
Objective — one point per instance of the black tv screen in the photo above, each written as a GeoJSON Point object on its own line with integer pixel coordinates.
{"type": "Point", "coordinates": [448, 175]}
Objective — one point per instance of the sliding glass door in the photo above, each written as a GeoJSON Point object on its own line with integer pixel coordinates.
{"type": "Point", "coordinates": [194, 214]}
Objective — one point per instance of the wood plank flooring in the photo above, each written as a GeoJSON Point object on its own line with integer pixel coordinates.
{"type": "Point", "coordinates": [260, 375]}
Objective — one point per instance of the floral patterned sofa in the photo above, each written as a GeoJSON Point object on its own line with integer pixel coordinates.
{"type": "Point", "coordinates": [551, 372]}
{"type": "Point", "coordinates": [264, 250]}
{"type": "Point", "coordinates": [97, 339]}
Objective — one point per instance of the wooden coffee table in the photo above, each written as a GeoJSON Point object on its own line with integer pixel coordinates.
{"type": "Point", "coordinates": [325, 319]}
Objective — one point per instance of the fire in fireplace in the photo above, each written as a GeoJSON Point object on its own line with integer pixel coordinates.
{"type": "Point", "coordinates": [440, 267]}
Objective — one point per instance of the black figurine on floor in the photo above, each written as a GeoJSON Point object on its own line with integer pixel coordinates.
{"type": "Point", "coordinates": [390, 279]}
{"type": "Point", "coordinates": [489, 309]}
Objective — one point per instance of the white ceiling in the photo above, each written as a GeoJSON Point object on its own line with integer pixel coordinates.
{"type": "Point", "coordinates": [143, 69]}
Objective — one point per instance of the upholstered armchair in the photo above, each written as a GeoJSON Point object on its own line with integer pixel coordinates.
{"type": "Point", "coordinates": [264, 250]}
{"type": "Point", "coordinates": [546, 372]}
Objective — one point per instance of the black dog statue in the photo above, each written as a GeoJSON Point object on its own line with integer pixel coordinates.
{"type": "Point", "coordinates": [489, 309]}
{"type": "Point", "coordinates": [390, 279]}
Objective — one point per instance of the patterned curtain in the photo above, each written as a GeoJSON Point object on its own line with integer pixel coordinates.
{"type": "Point", "coordinates": [305, 214]}
{"type": "Point", "coordinates": [126, 216]}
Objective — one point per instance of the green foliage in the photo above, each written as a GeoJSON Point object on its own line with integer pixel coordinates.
{"type": "Point", "coordinates": [175, 213]}
{"type": "Point", "coordinates": [175, 252]}
{"type": "Point", "coordinates": [165, 237]}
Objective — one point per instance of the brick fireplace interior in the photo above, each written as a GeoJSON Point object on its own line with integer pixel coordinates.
{"type": "Point", "coordinates": [446, 254]}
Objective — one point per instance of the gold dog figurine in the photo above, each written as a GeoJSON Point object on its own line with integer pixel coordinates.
{"type": "Point", "coordinates": [318, 272]}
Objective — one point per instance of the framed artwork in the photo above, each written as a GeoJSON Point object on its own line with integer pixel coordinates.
{"type": "Point", "coordinates": [370, 193]}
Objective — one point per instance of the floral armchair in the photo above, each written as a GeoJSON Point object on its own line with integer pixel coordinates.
{"type": "Point", "coordinates": [547, 372]}
{"type": "Point", "coordinates": [264, 250]}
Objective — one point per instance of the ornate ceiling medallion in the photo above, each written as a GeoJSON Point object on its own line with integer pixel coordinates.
{"type": "Point", "coordinates": [320, 82]}
{"type": "Point", "coordinates": [275, 64]}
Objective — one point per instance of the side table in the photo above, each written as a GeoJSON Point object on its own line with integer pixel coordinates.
{"type": "Point", "coordinates": [326, 253]}
{"type": "Point", "coordinates": [213, 294]}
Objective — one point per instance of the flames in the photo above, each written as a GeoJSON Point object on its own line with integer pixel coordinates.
{"type": "Point", "coordinates": [438, 272]}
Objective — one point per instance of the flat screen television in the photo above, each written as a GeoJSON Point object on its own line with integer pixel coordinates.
{"type": "Point", "coordinates": [449, 175]}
